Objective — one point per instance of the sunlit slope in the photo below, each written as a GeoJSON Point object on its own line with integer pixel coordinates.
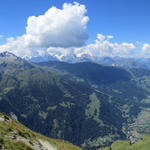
{"type": "Point", "coordinates": [143, 144]}
{"type": "Point", "coordinates": [15, 136]}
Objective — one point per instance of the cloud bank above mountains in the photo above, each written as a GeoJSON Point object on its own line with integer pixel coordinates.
{"type": "Point", "coordinates": [64, 28]}
{"type": "Point", "coordinates": [62, 32]}
{"type": "Point", "coordinates": [104, 47]}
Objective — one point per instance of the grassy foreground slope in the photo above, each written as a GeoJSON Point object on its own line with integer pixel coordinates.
{"type": "Point", "coordinates": [143, 144]}
{"type": "Point", "coordinates": [15, 136]}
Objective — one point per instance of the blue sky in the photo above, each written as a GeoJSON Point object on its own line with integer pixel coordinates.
{"type": "Point", "coordinates": [127, 20]}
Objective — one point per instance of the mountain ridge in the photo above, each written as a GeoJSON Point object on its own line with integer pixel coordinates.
{"type": "Point", "coordinates": [71, 102]}
{"type": "Point", "coordinates": [125, 62]}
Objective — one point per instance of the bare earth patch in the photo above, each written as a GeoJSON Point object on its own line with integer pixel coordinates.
{"type": "Point", "coordinates": [46, 145]}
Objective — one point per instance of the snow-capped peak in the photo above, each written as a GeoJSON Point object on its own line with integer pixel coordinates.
{"type": "Point", "coordinates": [8, 57]}
{"type": "Point", "coordinates": [7, 54]}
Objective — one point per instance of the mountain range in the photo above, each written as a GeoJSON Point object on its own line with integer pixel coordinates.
{"type": "Point", "coordinates": [87, 104]}
{"type": "Point", "coordinates": [104, 60]}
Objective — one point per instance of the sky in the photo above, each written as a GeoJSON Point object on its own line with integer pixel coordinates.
{"type": "Point", "coordinates": [62, 27]}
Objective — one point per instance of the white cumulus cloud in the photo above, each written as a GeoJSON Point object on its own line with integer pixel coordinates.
{"type": "Point", "coordinates": [62, 33]}
{"type": "Point", "coordinates": [104, 47]}
{"type": "Point", "coordinates": [145, 50]}
{"type": "Point", "coordinates": [64, 27]}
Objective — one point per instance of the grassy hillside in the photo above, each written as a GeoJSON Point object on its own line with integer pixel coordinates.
{"type": "Point", "coordinates": [50, 101]}
{"type": "Point", "coordinates": [143, 144]}
{"type": "Point", "coordinates": [128, 90]}
{"type": "Point", "coordinates": [86, 104]}
{"type": "Point", "coordinates": [96, 73]}
{"type": "Point", "coordinates": [15, 136]}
